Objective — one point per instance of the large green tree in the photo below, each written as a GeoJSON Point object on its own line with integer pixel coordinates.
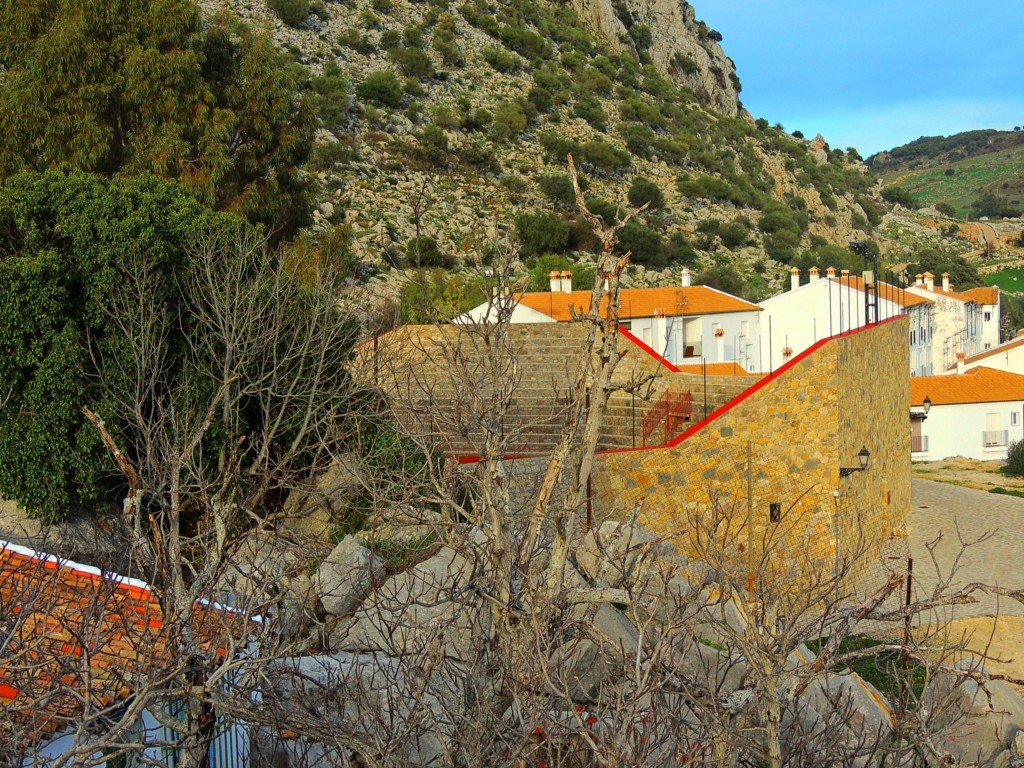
{"type": "Point", "coordinates": [123, 87]}
{"type": "Point", "coordinates": [129, 297]}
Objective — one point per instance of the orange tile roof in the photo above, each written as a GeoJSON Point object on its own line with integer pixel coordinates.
{"type": "Point", "coordinates": [992, 351]}
{"type": "Point", "coordinates": [937, 290]}
{"type": "Point", "coordinates": [892, 293]}
{"type": "Point", "coordinates": [986, 295]}
{"type": "Point", "coordinates": [640, 302]}
{"type": "Point", "coordinates": [716, 369]}
{"type": "Point", "coordinates": [978, 385]}
{"type": "Point", "coordinates": [75, 634]}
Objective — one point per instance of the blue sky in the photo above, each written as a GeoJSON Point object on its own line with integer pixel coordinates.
{"type": "Point", "coordinates": [872, 74]}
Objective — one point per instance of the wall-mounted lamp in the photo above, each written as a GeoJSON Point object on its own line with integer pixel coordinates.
{"type": "Point", "coordinates": [864, 456]}
{"type": "Point", "coordinates": [927, 404]}
{"type": "Point", "coordinates": [923, 413]}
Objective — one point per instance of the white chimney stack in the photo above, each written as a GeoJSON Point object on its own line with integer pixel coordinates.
{"type": "Point", "coordinates": [830, 273]}
{"type": "Point", "coordinates": [846, 274]}
{"type": "Point", "coordinates": [959, 362]}
{"type": "Point", "coordinates": [687, 280]}
{"type": "Point", "coordinates": [556, 283]}
{"type": "Point", "coordinates": [815, 274]}
{"type": "Point", "coordinates": [566, 281]}
{"type": "Point", "coordinates": [929, 281]}
{"type": "Point", "coordinates": [918, 279]}
{"type": "Point", "coordinates": [794, 279]}
{"type": "Point", "coordinates": [945, 282]}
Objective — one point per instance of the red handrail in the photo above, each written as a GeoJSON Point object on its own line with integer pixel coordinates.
{"type": "Point", "coordinates": [668, 414]}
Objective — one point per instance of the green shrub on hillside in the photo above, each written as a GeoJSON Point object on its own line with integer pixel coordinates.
{"type": "Point", "coordinates": [643, 191]}
{"type": "Point", "coordinates": [645, 244]}
{"type": "Point", "coordinates": [424, 251]}
{"type": "Point", "coordinates": [501, 60]}
{"type": "Point", "coordinates": [541, 232]}
{"type": "Point", "coordinates": [383, 87]}
{"type": "Point", "coordinates": [604, 157]}
{"type": "Point", "coordinates": [291, 12]}
{"type": "Point", "coordinates": [412, 62]}
{"type": "Point", "coordinates": [899, 196]}
{"type": "Point", "coordinates": [557, 188]}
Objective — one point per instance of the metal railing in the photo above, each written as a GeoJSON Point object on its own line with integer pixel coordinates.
{"type": "Point", "coordinates": [670, 411]}
{"type": "Point", "coordinates": [918, 443]}
{"type": "Point", "coordinates": [996, 438]}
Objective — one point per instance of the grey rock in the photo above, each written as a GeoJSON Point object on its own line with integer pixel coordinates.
{"type": "Point", "coordinates": [616, 554]}
{"type": "Point", "coordinates": [346, 577]}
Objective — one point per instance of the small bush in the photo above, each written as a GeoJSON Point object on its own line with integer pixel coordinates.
{"type": "Point", "coordinates": [645, 191]}
{"type": "Point", "coordinates": [557, 188]}
{"type": "Point", "coordinates": [500, 60]}
{"type": "Point", "coordinates": [541, 232]}
{"type": "Point", "coordinates": [291, 12]}
{"type": "Point", "coordinates": [424, 252]}
{"type": "Point", "coordinates": [1015, 459]}
{"type": "Point", "coordinates": [412, 62]}
{"type": "Point", "coordinates": [382, 87]}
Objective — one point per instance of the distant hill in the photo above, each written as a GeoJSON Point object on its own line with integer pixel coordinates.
{"type": "Point", "coordinates": [960, 170]}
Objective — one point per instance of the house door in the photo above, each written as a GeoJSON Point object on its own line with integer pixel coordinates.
{"type": "Point", "coordinates": [918, 443]}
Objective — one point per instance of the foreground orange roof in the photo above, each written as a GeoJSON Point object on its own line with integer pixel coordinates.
{"type": "Point", "coordinates": [75, 634]}
{"type": "Point", "coordinates": [640, 302]}
{"type": "Point", "coordinates": [978, 385]}
{"type": "Point", "coordinates": [893, 293]}
{"type": "Point", "coordinates": [987, 295]}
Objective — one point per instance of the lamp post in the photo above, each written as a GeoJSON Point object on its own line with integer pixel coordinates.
{"type": "Point", "coordinates": [870, 280]}
{"type": "Point", "coordinates": [863, 459]}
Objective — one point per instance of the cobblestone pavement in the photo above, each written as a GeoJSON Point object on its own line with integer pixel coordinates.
{"type": "Point", "coordinates": [999, 559]}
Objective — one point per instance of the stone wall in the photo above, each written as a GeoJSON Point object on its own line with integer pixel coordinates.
{"type": "Point", "coordinates": [798, 428]}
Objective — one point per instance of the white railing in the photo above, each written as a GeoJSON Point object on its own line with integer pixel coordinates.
{"type": "Point", "coordinates": [995, 439]}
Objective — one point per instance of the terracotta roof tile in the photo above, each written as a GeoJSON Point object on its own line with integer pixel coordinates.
{"type": "Point", "coordinates": [892, 293]}
{"type": "Point", "coordinates": [986, 295]}
{"type": "Point", "coordinates": [78, 634]}
{"type": "Point", "coordinates": [978, 385]}
{"type": "Point", "coordinates": [641, 302]}
{"type": "Point", "coordinates": [716, 369]}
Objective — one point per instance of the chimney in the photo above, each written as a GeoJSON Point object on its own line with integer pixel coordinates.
{"type": "Point", "coordinates": [918, 279]}
{"type": "Point", "coordinates": [815, 274]}
{"type": "Point", "coordinates": [830, 273]}
{"type": "Point", "coordinates": [566, 281]}
{"type": "Point", "coordinates": [845, 275]}
{"type": "Point", "coordinates": [959, 362]}
{"type": "Point", "coordinates": [946, 288]}
{"type": "Point", "coordinates": [687, 280]}
{"type": "Point", "coordinates": [929, 281]}
{"type": "Point", "coordinates": [794, 279]}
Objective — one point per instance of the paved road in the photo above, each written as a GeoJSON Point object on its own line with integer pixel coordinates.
{"type": "Point", "coordinates": [963, 513]}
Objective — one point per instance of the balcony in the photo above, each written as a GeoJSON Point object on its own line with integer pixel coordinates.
{"type": "Point", "coordinates": [919, 443]}
{"type": "Point", "coordinates": [995, 439]}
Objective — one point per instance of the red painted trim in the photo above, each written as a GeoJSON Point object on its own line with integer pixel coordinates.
{"type": "Point", "coordinates": [647, 349]}
{"type": "Point", "coordinates": [760, 384]}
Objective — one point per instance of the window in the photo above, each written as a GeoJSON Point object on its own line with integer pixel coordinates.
{"type": "Point", "coordinates": [1014, 419]}
{"type": "Point", "coordinates": [988, 316]}
{"type": "Point", "coordinates": [913, 338]}
{"type": "Point", "coordinates": [745, 328]}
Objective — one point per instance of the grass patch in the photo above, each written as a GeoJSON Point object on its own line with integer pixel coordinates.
{"type": "Point", "coordinates": [1010, 280]}
{"type": "Point", "coordinates": [1007, 492]}
{"type": "Point", "coordinates": [712, 644]}
{"type": "Point", "coordinates": [401, 554]}
{"type": "Point", "coordinates": [883, 669]}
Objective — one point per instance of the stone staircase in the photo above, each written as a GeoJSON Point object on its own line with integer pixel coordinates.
{"type": "Point", "coordinates": [451, 385]}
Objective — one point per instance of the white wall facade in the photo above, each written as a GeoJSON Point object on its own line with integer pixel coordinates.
{"type": "Point", "coordinates": [1007, 357]}
{"type": "Point", "coordinates": [956, 327]}
{"type": "Point", "coordinates": [990, 317]}
{"type": "Point", "coordinates": [490, 311]}
{"type": "Point", "coordinates": [799, 318]}
{"type": "Point", "coordinates": [962, 429]}
{"type": "Point", "coordinates": [739, 340]}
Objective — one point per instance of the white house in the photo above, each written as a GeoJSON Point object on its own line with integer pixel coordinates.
{"type": "Point", "coordinates": [823, 307]}
{"type": "Point", "coordinates": [989, 300]}
{"type": "Point", "coordinates": [976, 414]}
{"type": "Point", "coordinates": [1005, 357]}
{"type": "Point", "coordinates": [684, 323]}
{"type": "Point", "coordinates": [956, 320]}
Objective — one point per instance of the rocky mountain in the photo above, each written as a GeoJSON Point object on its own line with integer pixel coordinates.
{"type": "Point", "coordinates": [448, 125]}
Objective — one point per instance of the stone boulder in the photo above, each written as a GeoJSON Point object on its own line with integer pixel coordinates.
{"type": "Point", "coordinates": [618, 554]}
{"type": "Point", "coordinates": [347, 576]}
{"type": "Point", "coordinates": [429, 605]}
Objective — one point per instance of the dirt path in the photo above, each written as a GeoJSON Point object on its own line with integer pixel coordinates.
{"type": "Point", "coordinates": [982, 475]}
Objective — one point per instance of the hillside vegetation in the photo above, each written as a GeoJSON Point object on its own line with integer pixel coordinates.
{"type": "Point", "coordinates": [977, 173]}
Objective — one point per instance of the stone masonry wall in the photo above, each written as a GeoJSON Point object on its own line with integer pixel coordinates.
{"type": "Point", "coordinates": [801, 426]}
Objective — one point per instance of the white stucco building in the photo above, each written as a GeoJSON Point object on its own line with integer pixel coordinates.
{"type": "Point", "coordinates": [831, 305]}
{"type": "Point", "coordinates": [1004, 357]}
{"type": "Point", "coordinates": [957, 320]}
{"type": "Point", "coordinates": [975, 414]}
{"type": "Point", "coordinates": [990, 302]}
{"type": "Point", "coordinates": [688, 323]}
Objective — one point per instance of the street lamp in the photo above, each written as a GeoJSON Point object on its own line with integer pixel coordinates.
{"type": "Point", "coordinates": [863, 457]}
{"type": "Point", "coordinates": [927, 404]}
